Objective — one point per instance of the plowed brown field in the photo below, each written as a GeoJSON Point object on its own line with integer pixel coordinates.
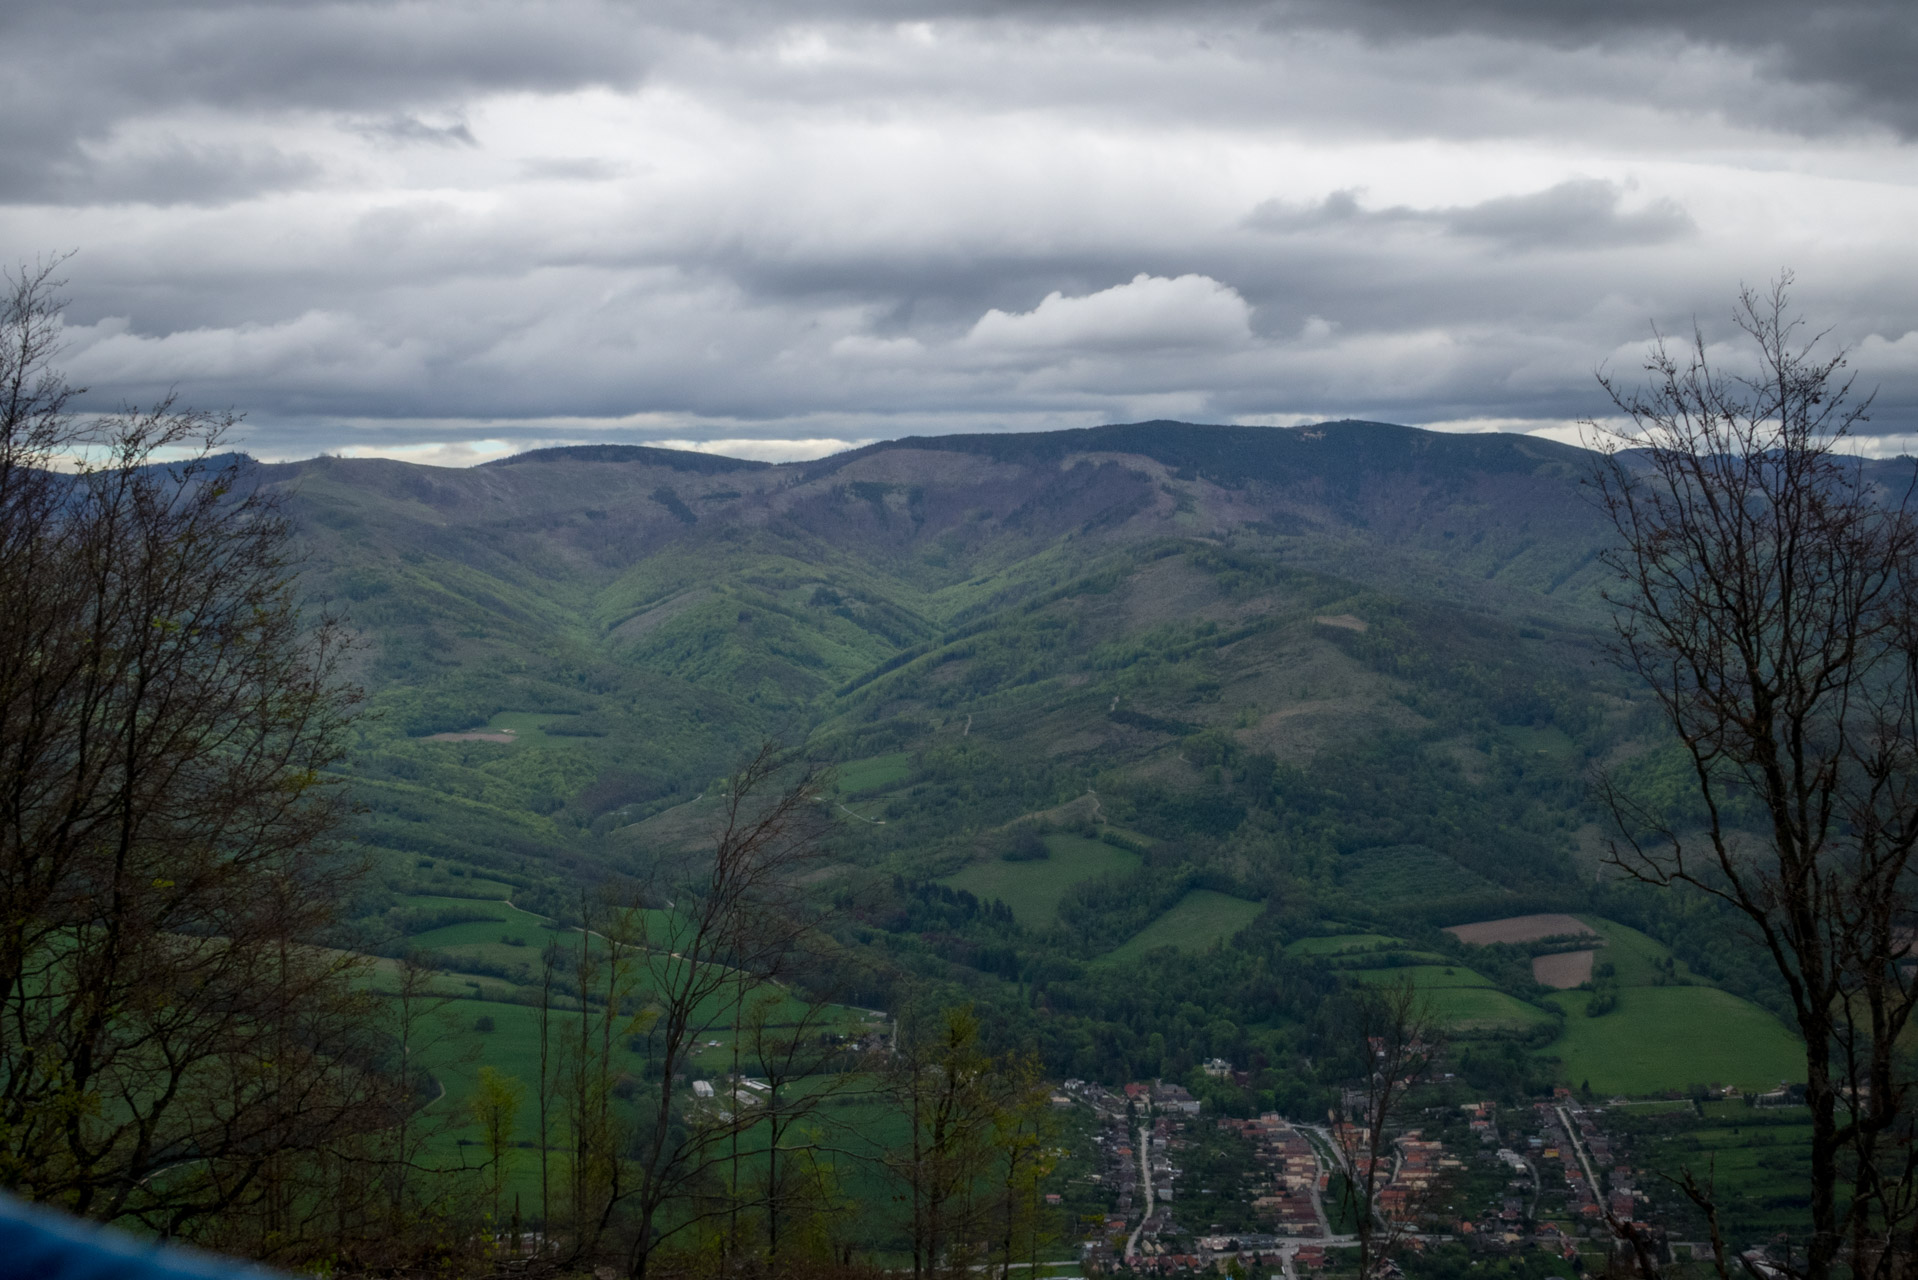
{"type": "Point", "coordinates": [1564, 970]}
{"type": "Point", "coordinates": [1519, 929]}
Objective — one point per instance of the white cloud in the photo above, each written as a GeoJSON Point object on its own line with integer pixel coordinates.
{"type": "Point", "coordinates": [1149, 313]}
{"type": "Point", "coordinates": [452, 453]}
{"type": "Point", "coordinates": [768, 450]}
{"type": "Point", "coordinates": [1880, 357]}
{"type": "Point", "coordinates": [861, 346]}
{"type": "Point", "coordinates": [470, 453]}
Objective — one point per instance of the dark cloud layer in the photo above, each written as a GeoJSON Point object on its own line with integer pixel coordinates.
{"type": "Point", "coordinates": [1580, 213]}
{"type": "Point", "coordinates": [1859, 50]}
{"type": "Point", "coordinates": [74, 73]}
{"type": "Point", "coordinates": [433, 221]}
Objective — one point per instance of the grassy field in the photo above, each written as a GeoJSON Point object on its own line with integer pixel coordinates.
{"type": "Point", "coordinates": [1661, 1038]}
{"type": "Point", "coordinates": [1669, 1030]}
{"type": "Point", "coordinates": [1462, 999]}
{"type": "Point", "coordinates": [1637, 957]}
{"type": "Point", "coordinates": [1033, 889]}
{"type": "Point", "coordinates": [455, 1051]}
{"type": "Point", "coordinates": [1426, 977]}
{"type": "Point", "coordinates": [1548, 741]}
{"type": "Point", "coordinates": [511, 937]}
{"type": "Point", "coordinates": [528, 728]}
{"type": "Point", "coordinates": [439, 879]}
{"type": "Point", "coordinates": [1758, 1160]}
{"type": "Point", "coordinates": [1198, 920]}
{"type": "Point", "coordinates": [1655, 1106]}
{"type": "Point", "coordinates": [875, 773]}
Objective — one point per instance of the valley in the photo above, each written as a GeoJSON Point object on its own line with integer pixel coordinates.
{"type": "Point", "coordinates": [1146, 742]}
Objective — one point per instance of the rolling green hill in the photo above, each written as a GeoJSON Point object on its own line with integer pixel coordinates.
{"type": "Point", "coordinates": [1240, 679]}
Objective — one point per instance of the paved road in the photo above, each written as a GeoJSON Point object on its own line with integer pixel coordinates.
{"type": "Point", "coordinates": [1325, 1167]}
{"type": "Point", "coordinates": [1578, 1149]}
{"type": "Point", "coordinates": [1145, 1179]}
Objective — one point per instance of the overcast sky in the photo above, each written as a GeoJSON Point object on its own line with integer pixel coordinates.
{"type": "Point", "coordinates": [449, 229]}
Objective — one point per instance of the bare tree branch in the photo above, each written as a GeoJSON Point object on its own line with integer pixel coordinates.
{"type": "Point", "coordinates": [1764, 590]}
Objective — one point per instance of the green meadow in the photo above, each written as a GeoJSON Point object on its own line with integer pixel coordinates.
{"type": "Point", "coordinates": [1461, 999]}
{"type": "Point", "coordinates": [1661, 1038]}
{"type": "Point", "coordinates": [1758, 1160]}
{"type": "Point", "coordinates": [875, 773]}
{"type": "Point", "coordinates": [1670, 1028]}
{"type": "Point", "coordinates": [1197, 921]}
{"type": "Point", "coordinates": [1034, 889]}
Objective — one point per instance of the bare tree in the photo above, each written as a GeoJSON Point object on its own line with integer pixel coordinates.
{"type": "Point", "coordinates": [948, 1088]}
{"type": "Point", "coordinates": [495, 1103]}
{"type": "Point", "coordinates": [552, 956]}
{"type": "Point", "coordinates": [413, 1005]}
{"type": "Point", "coordinates": [793, 1049]}
{"type": "Point", "coordinates": [737, 914]}
{"type": "Point", "coordinates": [1398, 1041]}
{"type": "Point", "coordinates": [1765, 593]}
{"type": "Point", "coordinates": [170, 1045]}
{"type": "Point", "coordinates": [1024, 1131]}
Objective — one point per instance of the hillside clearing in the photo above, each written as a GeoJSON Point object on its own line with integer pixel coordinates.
{"type": "Point", "coordinates": [1034, 889]}
{"type": "Point", "coordinates": [1461, 999]}
{"type": "Point", "coordinates": [1198, 920]}
{"type": "Point", "coordinates": [875, 773]}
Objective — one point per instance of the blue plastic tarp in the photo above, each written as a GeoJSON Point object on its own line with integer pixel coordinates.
{"type": "Point", "coordinates": [46, 1244]}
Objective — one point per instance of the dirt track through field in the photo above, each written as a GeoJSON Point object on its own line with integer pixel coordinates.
{"type": "Point", "coordinates": [1519, 929]}
{"type": "Point", "coordinates": [1564, 970]}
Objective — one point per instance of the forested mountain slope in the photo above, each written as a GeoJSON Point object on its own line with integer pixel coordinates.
{"type": "Point", "coordinates": [1089, 599]}
{"type": "Point", "coordinates": [1354, 668]}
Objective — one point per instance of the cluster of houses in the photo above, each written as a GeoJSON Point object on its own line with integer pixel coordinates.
{"type": "Point", "coordinates": [1570, 1134]}
{"type": "Point", "coordinates": [1419, 1165]}
{"type": "Point", "coordinates": [1554, 1144]}
{"type": "Point", "coordinates": [1118, 1167]}
{"type": "Point", "coordinates": [1413, 1164]}
{"type": "Point", "coordinates": [1294, 1179]}
{"type": "Point", "coordinates": [1154, 1115]}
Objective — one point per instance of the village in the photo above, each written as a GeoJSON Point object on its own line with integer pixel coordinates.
{"type": "Point", "coordinates": [1495, 1181]}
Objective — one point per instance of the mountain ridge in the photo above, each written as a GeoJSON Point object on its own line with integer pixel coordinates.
{"type": "Point", "coordinates": [1077, 611]}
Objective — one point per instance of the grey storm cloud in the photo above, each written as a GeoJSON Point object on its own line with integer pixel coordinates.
{"type": "Point", "coordinates": [408, 128]}
{"type": "Point", "coordinates": [385, 222]}
{"type": "Point", "coordinates": [1578, 213]}
{"type": "Point", "coordinates": [74, 72]}
{"type": "Point", "coordinates": [1861, 51]}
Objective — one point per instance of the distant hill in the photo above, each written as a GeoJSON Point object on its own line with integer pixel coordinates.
{"type": "Point", "coordinates": [1124, 718]}
{"type": "Point", "coordinates": [1347, 669]}
{"type": "Point", "coordinates": [1089, 602]}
